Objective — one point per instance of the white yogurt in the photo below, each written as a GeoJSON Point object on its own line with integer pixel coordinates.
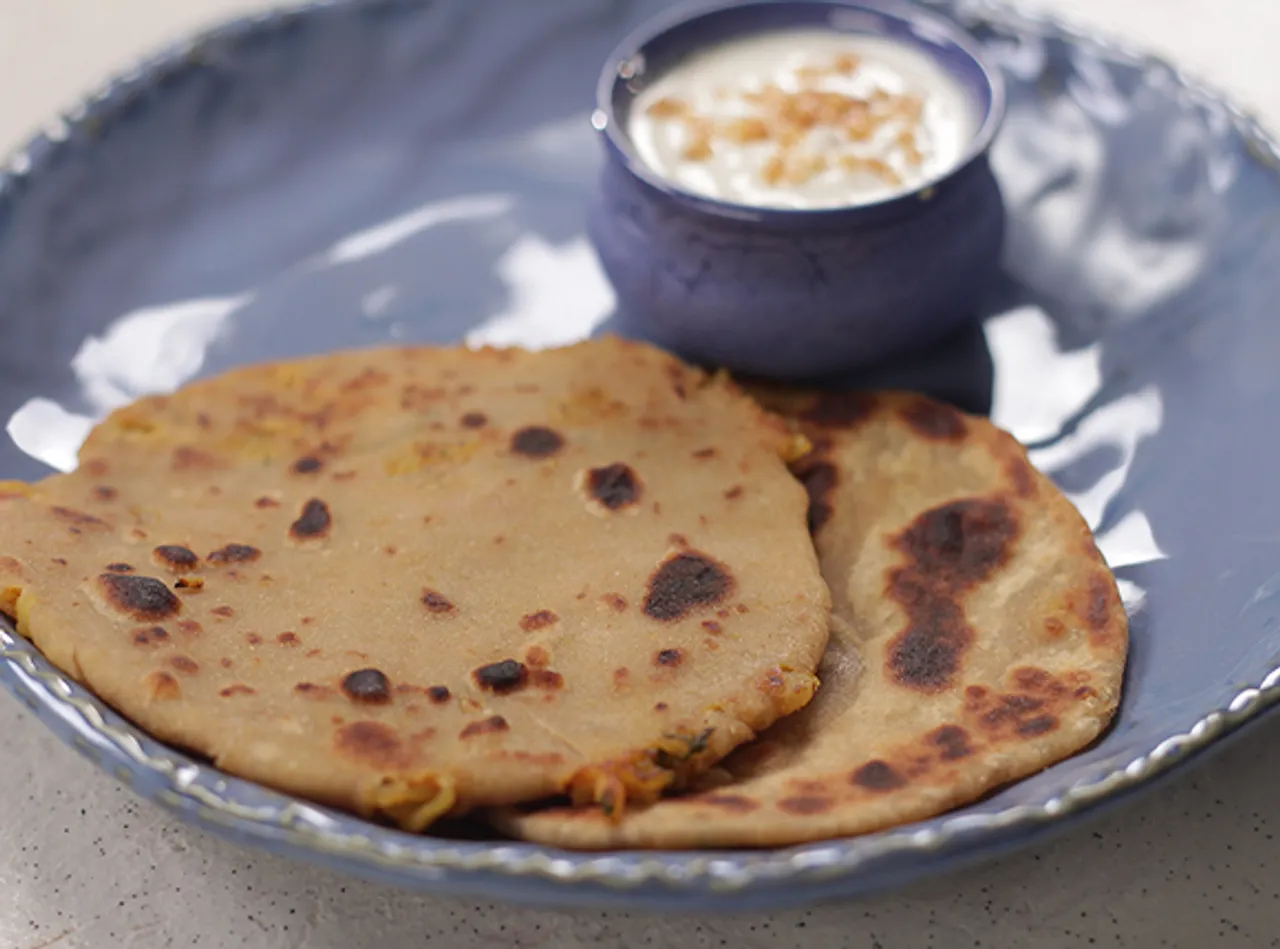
{"type": "Point", "coordinates": [803, 119]}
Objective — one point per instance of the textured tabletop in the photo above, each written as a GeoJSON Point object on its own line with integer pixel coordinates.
{"type": "Point", "coordinates": [1194, 862]}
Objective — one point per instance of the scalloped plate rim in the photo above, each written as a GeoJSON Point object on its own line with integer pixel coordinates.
{"type": "Point", "coordinates": [296, 826]}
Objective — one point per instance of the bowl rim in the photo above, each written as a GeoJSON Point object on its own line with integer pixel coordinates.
{"type": "Point", "coordinates": [604, 120]}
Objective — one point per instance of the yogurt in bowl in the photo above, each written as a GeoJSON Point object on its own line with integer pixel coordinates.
{"type": "Point", "coordinates": [803, 119]}
{"type": "Point", "coordinates": [793, 188]}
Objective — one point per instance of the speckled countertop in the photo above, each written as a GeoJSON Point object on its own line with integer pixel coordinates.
{"type": "Point", "coordinates": [1193, 863]}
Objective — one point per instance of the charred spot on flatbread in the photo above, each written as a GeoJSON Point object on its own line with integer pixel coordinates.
{"type": "Point", "coordinates": [370, 686]}
{"type": "Point", "coordinates": [176, 557]}
{"type": "Point", "coordinates": [501, 677]}
{"type": "Point", "coordinates": [614, 486]}
{"type": "Point", "coordinates": [845, 410]}
{"type": "Point", "coordinates": [143, 598]}
{"type": "Point", "coordinates": [684, 583]}
{"type": "Point", "coordinates": [541, 619]}
{"type": "Point", "coordinates": [960, 544]}
{"type": "Point", "coordinates": [313, 521]}
{"type": "Point", "coordinates": [536, 441]}
{"type": "Point", "coordinates": [934, 420]}
{"type": "Point", "coordinates": [437, 603]}
{"type": "Point", "coordinates": [234, 553]}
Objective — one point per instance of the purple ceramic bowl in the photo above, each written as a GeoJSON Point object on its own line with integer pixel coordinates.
{"type": "Point", "coordinates": [793, 293]}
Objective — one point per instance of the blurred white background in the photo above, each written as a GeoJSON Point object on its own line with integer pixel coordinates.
{"type": "Point", "coordinates": [51, 51]}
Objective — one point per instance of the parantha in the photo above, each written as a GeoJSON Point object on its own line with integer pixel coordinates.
{"type": "Point", "coordinates": [414, 581]}
{"type": "Point", "coordinates": [977, 637]}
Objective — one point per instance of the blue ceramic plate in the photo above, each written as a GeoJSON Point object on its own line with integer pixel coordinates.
{"type": "Point", "coordinates": [357, 172]}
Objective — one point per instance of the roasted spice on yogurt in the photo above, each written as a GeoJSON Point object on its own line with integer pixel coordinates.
{"type": "Point", "coordinates": [804, 119]}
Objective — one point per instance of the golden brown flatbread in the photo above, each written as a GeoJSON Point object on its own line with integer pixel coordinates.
{"type": "Point", "coordinates": [977, 637]}
{"type": "Point", "coordinates": [414, 581]}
